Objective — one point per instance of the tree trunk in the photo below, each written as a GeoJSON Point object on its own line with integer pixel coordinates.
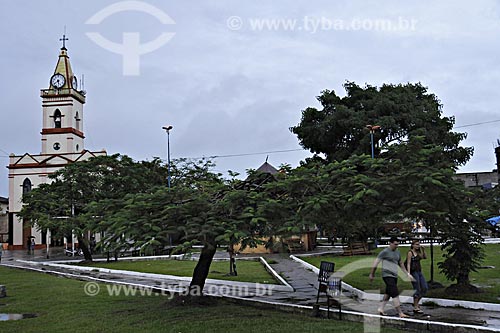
{"type": "Point", "coordinates": [432, 258]}
{"type": "Point", "coordinates": [463, 279]}
{"type": "Point", "coordinates": [431, 283]}
{"type": "Point", "coordinates": [463, 286]}
{"type": "Point", "coordinates": [84, 246]}
{"type": "Point", "coordinates": [201, 270]}
{"type": "Point", "coordinates": [232, 261]}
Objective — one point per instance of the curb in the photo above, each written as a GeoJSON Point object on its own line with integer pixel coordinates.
{"type": "Point", "coordinates": [179, 279]}
{"type": "Point", "coordinates": [275, 274]}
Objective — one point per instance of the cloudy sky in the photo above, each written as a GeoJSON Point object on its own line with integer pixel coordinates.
{"type": "Point", "coordinates": [236, 74]}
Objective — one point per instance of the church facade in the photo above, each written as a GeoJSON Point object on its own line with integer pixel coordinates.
{"type": "Point", "coordinates": [62, 143]}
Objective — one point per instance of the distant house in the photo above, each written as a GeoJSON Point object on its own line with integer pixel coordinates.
{"type": "Point", "coordinates": [479, 179]}
{"type": "Point", "coordinates": [267, 168]}
{"type": "Point", "coordinates": [483, 179]}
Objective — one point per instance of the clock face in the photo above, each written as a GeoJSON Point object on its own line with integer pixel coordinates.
{"type": "Point", "coordinates": [57, 81]}
{"type": "Point", "coordinates": [57, 146]}
{"type": "Point", "coordinates": [74, 82]}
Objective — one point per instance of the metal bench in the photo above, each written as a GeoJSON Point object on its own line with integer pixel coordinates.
{"type": "Point", "coordinates": [325, 270]}
{"type": "Point", "coordinates": [325, 280]}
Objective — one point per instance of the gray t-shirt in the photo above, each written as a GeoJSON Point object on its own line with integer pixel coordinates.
{"type": "Point", "coordinates": [390, 262]}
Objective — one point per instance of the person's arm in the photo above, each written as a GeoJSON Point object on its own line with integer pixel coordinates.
{"type": "Point", "coordinates": [374, 268]}
{"type": "Point", "coordinates": [424, 255]}
{"type": "Point", "coordinates": [407, 273]}
{"type": "Point", "coordinates": [408, 261]}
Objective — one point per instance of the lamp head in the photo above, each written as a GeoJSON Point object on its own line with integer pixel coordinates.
{"type": "Point", "coordinates": [167, 128]}
{"type": "Point", "coordinates": [372, 128]}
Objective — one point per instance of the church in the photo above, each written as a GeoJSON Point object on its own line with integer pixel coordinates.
{"type": "Point", "coordinates": [62, 143]}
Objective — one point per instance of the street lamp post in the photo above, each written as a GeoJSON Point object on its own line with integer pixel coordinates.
{"type": "Point", "coordinates": [167, 129]}
{"type": "Point", "coordinates": [372, 129]}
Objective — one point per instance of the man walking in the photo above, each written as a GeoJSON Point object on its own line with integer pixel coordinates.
{"type": "Point", "coordinates": [391, 260]}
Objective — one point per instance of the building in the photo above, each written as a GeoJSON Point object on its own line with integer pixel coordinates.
{"type": "Point", "coordinates": [62, 143]}
{"type": "Point", "coordinates": [485, 179]}
{"type": "Point", "coordinates": [479, 179]}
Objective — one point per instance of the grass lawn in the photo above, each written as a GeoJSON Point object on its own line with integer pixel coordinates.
{"type": "Point", "coordinates": [487, 279]}
{"type": "Point", "coordinates": [62, 306]}
{"type": "Point", "coordinates": [248, 270]}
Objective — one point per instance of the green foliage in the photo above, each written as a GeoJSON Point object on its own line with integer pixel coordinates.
{"type": "Point", "coordinates": [463, 250]}
{"type": "Point", "coordinates": [66, 203]}
{"type": "Point", "coordinates": [417, 156]}
{"type": "Point", "coordinates": [403, 111]}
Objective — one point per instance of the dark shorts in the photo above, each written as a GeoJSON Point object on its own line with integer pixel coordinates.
{"type": "Point", "coordinates": [391, 286]}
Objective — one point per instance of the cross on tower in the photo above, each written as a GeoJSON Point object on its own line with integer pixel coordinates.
{"type": "Point", "coordinates": [64, 39]}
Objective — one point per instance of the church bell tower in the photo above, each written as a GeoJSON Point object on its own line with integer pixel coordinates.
{"type": "Point", "coordinates": [62, 105]}
{"type": "Point", "coordinates": [62, 144]}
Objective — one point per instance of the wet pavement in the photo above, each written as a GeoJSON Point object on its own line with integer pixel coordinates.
{"type": "Point", "coordinates": [304, 282]}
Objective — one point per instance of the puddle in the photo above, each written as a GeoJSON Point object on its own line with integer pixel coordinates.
{"type": "Point", "coordinates": [15, 316]}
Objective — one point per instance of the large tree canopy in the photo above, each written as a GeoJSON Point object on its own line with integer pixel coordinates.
{"type": "Point", "coordinates": [203, 209]}
{"type": "Point", "coordinates": [63, 204]}
{"type": "Point", "coordinates": [417, 153]}
{"type": "Point", "coordinates": [339, 130]}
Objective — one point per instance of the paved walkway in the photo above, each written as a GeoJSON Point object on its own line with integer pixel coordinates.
{"type": "Point", "coordinates": [303, 281]}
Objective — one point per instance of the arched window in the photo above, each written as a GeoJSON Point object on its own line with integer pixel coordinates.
{"type": "Point", "coordinates": [57, 118]}
{"type": "Point", "coordinates": [26, 186]}
{"type": "Point", "coordinates": [77, 121]}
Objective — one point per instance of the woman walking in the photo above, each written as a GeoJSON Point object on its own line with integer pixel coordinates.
{"type": "Point", "coordinates": [413, 266]}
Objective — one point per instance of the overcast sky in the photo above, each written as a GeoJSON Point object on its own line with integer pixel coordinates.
{"type": "Point", "coordinates": [231, 82]}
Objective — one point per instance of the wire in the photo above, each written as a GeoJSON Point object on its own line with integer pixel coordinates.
{"type": "Point", "coordinates": [247, 154]}
{"type": "Point", "coordinates": [477, 124]}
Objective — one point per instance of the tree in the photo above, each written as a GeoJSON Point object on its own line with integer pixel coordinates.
{"type": "Point", "coordinates": [402, 111]}
{"type": "Point", "coordinates": [428, 192]}
{"type": "Point", "coordinates": [205, 210]}
{"type": "Point", "coordinates": [62, 205]}
{"type": "Point", "coordinates": [349, 196]}
{"type": "Point", "coordinates": [418, 155]}
{"type": "Point", "coordinates": [463, 244]}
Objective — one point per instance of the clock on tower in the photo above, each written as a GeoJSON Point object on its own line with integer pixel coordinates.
{"type": "Point", "coordinates": [62, 105]}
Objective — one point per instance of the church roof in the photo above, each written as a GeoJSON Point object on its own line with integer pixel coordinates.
{"type": "Point", "coordinates": [267, 168]}
{"type": "Point", "coordinates": [50, 160]}
{"type": "Point", "coordinates": [64, 67]}
{"type": "Point", "coordinates": [70, 86]}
